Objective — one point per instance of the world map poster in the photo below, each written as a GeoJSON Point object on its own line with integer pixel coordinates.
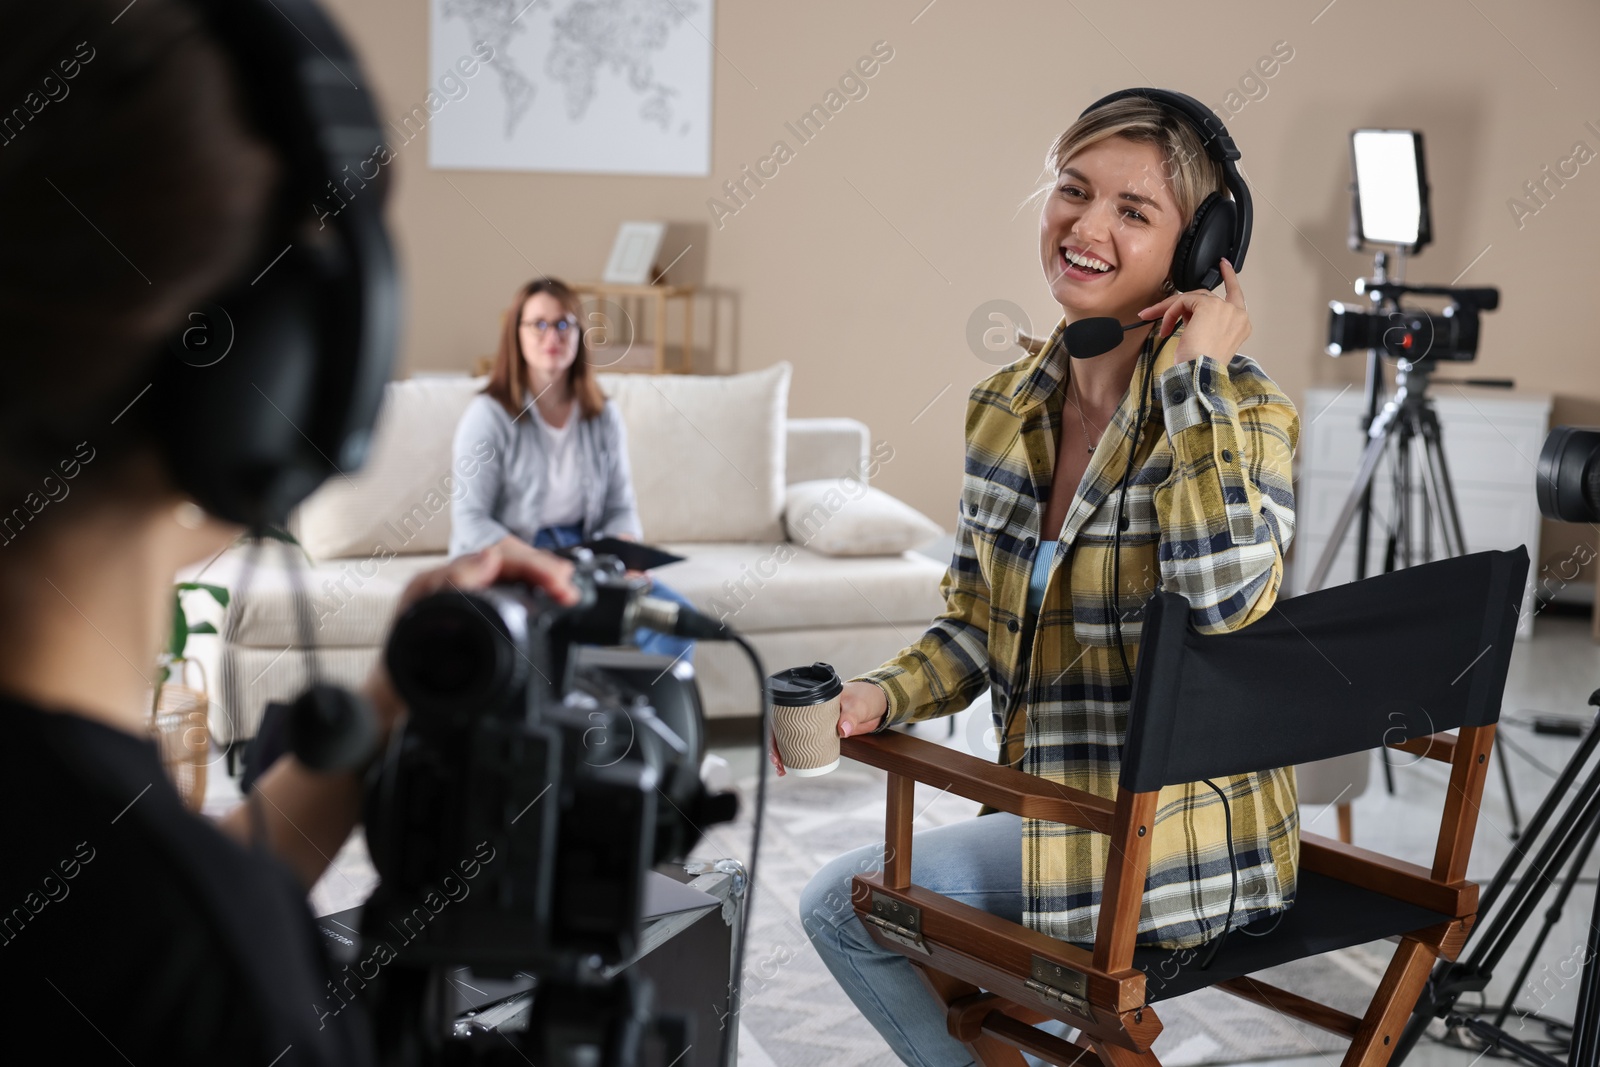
{"type": "Point", "coordinates": [589, 86]}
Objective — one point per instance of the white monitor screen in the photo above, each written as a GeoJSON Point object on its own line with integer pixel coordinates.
{"type": "Point", "coordinates": [1388, 185]}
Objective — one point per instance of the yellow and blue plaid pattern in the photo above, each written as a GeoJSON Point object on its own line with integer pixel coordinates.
{"type": "Point", "coordinates": [1210, 513]}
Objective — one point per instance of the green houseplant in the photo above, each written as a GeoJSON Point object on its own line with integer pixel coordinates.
{"type": "Point", "coordinates": [180, 729]}
{"type": "Point", "coordinates": [173, 657]}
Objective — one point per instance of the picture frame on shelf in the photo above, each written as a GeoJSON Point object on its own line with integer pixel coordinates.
{"type": "Point", "coordinates": [633, 253]}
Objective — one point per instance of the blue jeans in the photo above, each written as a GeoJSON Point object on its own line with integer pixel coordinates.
{"type": "Point", "coordinates": [979, 863]}
{"type": "Point", "coordinates": [647, 640]}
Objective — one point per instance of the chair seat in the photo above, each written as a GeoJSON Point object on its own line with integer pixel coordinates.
{"type": "Point", "coordinates": [1327, 914]}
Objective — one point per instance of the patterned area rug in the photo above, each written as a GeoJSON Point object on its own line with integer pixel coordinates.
{"type": "Point", "coordinates": [796, 1016]}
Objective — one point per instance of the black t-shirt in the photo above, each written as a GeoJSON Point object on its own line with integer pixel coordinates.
{"type": "Point", "coordinates": [133, 931]}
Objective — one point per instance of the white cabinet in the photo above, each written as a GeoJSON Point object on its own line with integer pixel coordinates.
{"type": "Point", "coordinates": [1491, 443]}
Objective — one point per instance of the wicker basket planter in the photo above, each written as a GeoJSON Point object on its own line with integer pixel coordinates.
{"type": "Point", "coordinates": [178, 723]}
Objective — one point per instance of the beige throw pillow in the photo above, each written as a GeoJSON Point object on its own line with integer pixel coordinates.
{"type": "Point", "coordinates": [846, 517]}
{"type": "Point", "coordinates": [398, 503]}
{"type": "Point", "coordinates": [707, 452]}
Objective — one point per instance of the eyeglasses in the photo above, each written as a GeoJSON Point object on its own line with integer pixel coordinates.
{"type": "Point", "coordinates": [562, 326]}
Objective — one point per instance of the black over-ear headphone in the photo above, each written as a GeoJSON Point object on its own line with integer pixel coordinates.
{"type": "Point", "coordinates": [274, 385]}
{"type": "Point", "coordinates": [1220, 227]}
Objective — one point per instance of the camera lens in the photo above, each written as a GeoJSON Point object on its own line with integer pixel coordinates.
{"type": "Point", "coordinates": [456, 657]}
{"type": "Point", "coordinates": [1568, 486]}
{"type": "Point", "coordinates": [454, 654]}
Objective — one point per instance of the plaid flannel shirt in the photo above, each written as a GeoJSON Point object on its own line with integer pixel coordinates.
{"type": "Point", "coordinates": [1211, 512]}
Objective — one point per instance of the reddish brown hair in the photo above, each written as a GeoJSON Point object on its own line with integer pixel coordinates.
{"type": "Point", "coordinates": [508, 377]}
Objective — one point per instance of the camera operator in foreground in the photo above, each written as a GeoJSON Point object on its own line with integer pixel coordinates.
{"type": "Point", "coordinates": [130, 929]}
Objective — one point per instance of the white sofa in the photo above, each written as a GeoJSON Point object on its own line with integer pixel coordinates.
{"type": "Point", "coordinates": [782, 535]}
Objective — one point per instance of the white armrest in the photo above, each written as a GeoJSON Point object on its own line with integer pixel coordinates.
{"type": "Point", "coordinates": [826, 448]}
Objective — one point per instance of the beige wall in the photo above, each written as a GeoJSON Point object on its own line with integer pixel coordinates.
{"type": "Point", "coordinates": [863, 259]}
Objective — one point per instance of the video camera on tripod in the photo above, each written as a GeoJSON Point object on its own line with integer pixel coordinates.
{"type": "Point", "coordinates": [543, 778]}
{"type": "Point", "coordinates": [1413, 335]}
{"type": "Point", "coordinates": [1389, 208]}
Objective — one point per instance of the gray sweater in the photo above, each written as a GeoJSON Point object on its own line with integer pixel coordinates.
{"type": "Point", "coordinates": [503, 469]}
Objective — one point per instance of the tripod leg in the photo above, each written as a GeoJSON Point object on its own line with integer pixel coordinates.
{"type": "Point", "coordinates": [1511, 795]}
{"type": "Point", "coordinates": [1377, 441]}
{"type": "Point", "coordinates": [1417, 1025]}
{"type": "Point", "coordinates": [1508, 916]}
{"type": "Point", "coordinates": [1505, 904]}
{"type": "Point", "coordinates": [1402, 493]}
{"type": "Point", "coordinates": [1439, 472]}
{"type": "Point", "coordinates": [1551, 917]}
{"type": "Point", "coordinates": [1428, 504]}
{"type": "Point", "coordinates": [1434, 489]}
{"type": "Point", "coordinates": [1369, 416]}
{"type": "Point", "coordinates": [1388, 772]}
{"type": "Point", "coordinates": [1395, 546]}
{"type": "Point", "coordinates": [1363, 533]}
{"type": "Point", "coordinates": [1586, 1021]}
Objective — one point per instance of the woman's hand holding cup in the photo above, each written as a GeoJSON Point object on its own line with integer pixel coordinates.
{"type": "Point", "coordinates": [862, 706]}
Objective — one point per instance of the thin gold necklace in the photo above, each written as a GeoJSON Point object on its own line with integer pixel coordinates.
{"type": "Point", "coordinates": [1083, 422]}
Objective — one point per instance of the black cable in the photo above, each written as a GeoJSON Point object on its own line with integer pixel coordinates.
{"type": "Point", "coordinates": [1113, 601]}
{"type": "Point", "coordinates": [303, 621]}
{"type": "Point", "coordinates": [1122, 649]}
{"type": "Point", "coordinates": [736, 989]}
{"type": "Point", "coordinates": [1233, 873]}
{"type": "Point", "coordinates": [302, 618]}
{"type": "Point", "coordinates": [236, 601]}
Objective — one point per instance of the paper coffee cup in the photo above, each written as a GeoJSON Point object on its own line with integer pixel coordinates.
{"type": "Point", "coordinates": [805, 717]}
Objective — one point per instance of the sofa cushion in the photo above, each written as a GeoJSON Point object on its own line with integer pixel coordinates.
{"type": "Point", "coordinates": [707, 452]}
{"type": "Point", "coordinates": [781, 586]}
{"type": "Point", "coordinates": [352, 601]}
{"type": "Point", "coordinates": [399, 502]}
{"type": "Point", "coordinates": [757, 587]}
{"type": "Point", "coordinates": [846, 517]}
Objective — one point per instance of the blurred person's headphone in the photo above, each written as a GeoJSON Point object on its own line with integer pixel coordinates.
{"type": "Point", "coordinates": [1220, 227]}
{"type": "Point", "coordinates": [274, 383]}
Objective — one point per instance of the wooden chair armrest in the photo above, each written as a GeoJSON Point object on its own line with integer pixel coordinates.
{"type": "Point", "coordinates": [1392, 877]}
{"type": "Point", "coordinates": [951, 926]}
{"type": "Point", "coordinates": [998, 786]}
{"type": "Point", "coordinates": [1440, 746]}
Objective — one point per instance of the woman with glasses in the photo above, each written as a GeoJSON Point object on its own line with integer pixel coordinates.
{"type": "Point", "coordinates": [547, 451]}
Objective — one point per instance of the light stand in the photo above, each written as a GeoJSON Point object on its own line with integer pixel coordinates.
{"type": "Point", "coordinates": [1373, 395]}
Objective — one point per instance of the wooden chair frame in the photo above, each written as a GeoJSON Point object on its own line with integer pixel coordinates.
{"type": "Point", "coordinates": [997, 979]}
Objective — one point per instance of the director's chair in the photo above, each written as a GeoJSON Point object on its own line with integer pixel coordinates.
{"type": "Point", "coordinates": [1394, 660]}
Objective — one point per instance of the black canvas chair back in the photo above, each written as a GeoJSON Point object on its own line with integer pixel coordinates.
{"type": "Point", "coordinates": [1346, 669]}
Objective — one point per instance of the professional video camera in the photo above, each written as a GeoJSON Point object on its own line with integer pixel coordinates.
{"type": "Point", "coordinates": [1414, 335]}
{"type": "Point", "coordinates": [515, 817]}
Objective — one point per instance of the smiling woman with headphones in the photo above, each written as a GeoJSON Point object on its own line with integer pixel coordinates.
{"type": "Point", "coordinates": [196, 354]}
{"type": "Point", "coordinates": [1161, 462]}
